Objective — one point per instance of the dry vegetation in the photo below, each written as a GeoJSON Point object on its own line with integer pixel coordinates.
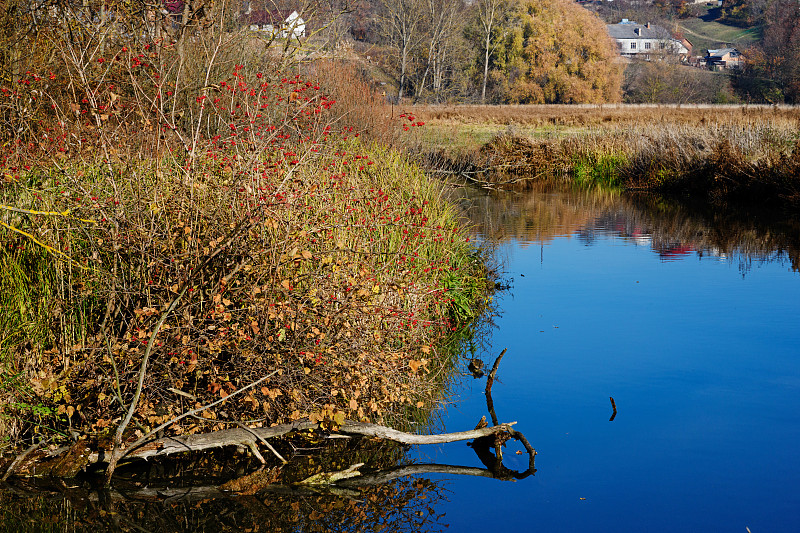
{"type": "Point", "coordinates": [720, 153]}
{"type": "Point", "coordinates": [542, 116]}
{"type": "Point", "coordinates": [180, 222]}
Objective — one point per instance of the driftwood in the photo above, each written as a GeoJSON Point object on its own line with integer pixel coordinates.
{"type": "Point", "coordinates": [67, 462]}
{"type": "Point", "coordinates": [246, 437]}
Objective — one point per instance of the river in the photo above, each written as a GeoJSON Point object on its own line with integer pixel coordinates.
{"type": "Point", "coordinates": [689, 320]}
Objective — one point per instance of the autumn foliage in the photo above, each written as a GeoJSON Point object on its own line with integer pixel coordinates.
{"type": "Point", "coordinates": [555, 52]}
{"type": "Point", "coordinates": [167, 242]}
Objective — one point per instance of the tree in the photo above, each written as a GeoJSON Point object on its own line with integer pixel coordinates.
{"type": "Point", "coordinates": [745, 13]}
{"type": "Point", "coordinates": [772, 70]}
{"type": "Point", "coordinates": [401, 22]}
{"type": "Point", "coordinates": [444, 23]}
{"type": "Point", "coordinates": [488, 11]}
{"type": "Point", "coordinates": [553, 52]}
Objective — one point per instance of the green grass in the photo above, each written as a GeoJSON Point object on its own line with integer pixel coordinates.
{"type": "Point", "coordinates": [712, 34]}
{"type": "Point", "coordinates": [599, 168]}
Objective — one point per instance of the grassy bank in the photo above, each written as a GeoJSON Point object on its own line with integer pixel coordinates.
{"type": "Point", "coordinates": [163, 249]}
{"type": "Point", "coordinates": [740, 154]}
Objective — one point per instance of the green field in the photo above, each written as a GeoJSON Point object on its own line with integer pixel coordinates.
{"type": "Point", "coordinates": [705, 34]}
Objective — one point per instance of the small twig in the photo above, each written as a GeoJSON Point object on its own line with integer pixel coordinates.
{"type": "Point", "coordinates": [263, 441]}
{"type": "Point", "coordinates": [193, 412]}
{"type": "Point", "coordinates": [251, 445]}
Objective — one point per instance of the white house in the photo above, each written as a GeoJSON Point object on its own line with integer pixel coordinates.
{"type": "Point", "coordinates": [283, 24]}
{"type": "Point", "coordinates": [645, 40]}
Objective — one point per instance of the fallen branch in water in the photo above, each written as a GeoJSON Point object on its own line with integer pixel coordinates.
{"type": "Point", "coordinates": [239, 436]}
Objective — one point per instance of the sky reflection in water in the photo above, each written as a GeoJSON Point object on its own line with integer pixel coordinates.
{"type": "Point", "coordinates": [699, 346]}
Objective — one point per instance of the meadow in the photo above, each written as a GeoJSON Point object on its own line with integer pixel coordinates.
{"type": "Point", "coordinates": [721, 154]}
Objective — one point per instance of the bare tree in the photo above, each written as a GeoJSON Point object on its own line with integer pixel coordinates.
{"type": "Point", "coordinates": [489, 12]}
{"type": "Point", "coordinates": [444, 22]}
{"type": "Point", "coordinates": [402, 21]}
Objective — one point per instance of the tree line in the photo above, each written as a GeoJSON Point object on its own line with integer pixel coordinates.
{"type": "Point", "coordinates": [492, 51]}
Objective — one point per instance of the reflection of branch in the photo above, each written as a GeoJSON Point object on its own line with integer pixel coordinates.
{"type": "Point", "coordinates": [390, 474]}
{"type": "Point", "coordinates": [489, 383]}
{"type": "Point", "coordinates": [481, 446]}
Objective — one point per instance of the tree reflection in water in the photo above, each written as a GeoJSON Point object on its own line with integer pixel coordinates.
{"type": "Point", "coordinates": [671, 228]}
{"type": "Point", "coordinates": [181, 502]}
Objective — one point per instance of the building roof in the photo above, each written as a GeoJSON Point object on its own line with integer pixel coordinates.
{"type": "Point", "coordinates": [630, 30]}
{"type": "Point", "coordinates": [722, 52]}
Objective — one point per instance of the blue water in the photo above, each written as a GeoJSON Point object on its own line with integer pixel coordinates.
{"type": "Point", "coordinates": [692, 328]}
{"type": "Point", "coordinates": [702, 358]}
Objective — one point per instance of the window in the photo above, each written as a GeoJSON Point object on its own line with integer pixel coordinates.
{"type": "Point", "coordinates": [647, 45]}
{"type": "Point", "coordinates": [662, 45]}
{"type": "Point", "coordinates": [633, 45]}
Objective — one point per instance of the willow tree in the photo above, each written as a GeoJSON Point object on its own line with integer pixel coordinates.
{"type": "Point", "coordinates": [555, 51]}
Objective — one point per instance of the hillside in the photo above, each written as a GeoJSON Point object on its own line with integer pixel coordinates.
{"type": "Point", "coordinates": [705, 31]}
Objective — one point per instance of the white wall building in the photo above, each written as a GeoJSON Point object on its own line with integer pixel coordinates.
{"type": "Point", "coordinates": [645, 40]}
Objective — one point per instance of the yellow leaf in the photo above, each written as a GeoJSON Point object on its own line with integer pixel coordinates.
{"type": "Point", "coordinates": [420, 404]}
{"type": "Point", "coordinates": [353, 404]}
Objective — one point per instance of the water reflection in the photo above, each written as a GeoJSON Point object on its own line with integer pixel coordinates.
{"type": "Point", "coordinates": [673, 231]}
{"type": "Point", "coordinates": [402, 505]}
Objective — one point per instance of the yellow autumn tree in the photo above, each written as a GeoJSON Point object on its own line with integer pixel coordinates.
{"type": "Point", "coordinates": [554, 51]}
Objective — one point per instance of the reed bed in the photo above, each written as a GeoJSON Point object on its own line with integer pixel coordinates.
{"type": "Point", "coordinates": [721, 154]}
{"type": "Point", "coordinates": [584, 115]}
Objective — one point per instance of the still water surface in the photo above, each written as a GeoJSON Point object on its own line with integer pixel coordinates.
{"type": "Point", "coordinates": [692, 328]}
{"type": "Point", "coordinates": [691, 323]}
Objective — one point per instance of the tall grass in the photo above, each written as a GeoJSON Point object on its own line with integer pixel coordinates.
{"type": "Point", "coordinates": [720, 154]}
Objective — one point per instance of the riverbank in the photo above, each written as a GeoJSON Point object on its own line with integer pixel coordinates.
{"type": "Point", "coordinates": [720, 154]}
{"type": "Point", "coordinates": [261, 243]}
